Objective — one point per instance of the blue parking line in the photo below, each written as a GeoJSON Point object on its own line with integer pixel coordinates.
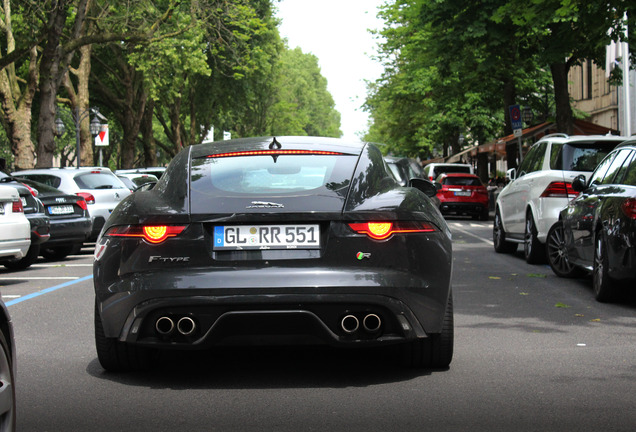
{"type": "Point", "coordinates": [46, 290]}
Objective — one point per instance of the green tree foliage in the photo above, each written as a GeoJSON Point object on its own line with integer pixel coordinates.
{"type": "Point", "coordinates": [449, 70]}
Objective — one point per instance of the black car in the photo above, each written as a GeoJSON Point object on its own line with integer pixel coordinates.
{"type": "Point", "coordinates": [7, 371]}
{"type": "Point", "coordinates": [596, 232]}
{"type": "Point", "coordinates": [299, 240]}
{"type": "Point", "coordinates": [35, 213]}
{"type": "Point", "coordinates": [70, 221]}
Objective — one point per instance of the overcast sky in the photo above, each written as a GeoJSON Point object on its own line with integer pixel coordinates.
{"type": "Point", "coordinates": [335, 31]}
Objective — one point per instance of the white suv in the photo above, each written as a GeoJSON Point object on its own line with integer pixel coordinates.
{"type": "Point", "coordinates": [101, 189]}
{"type": "Point", "coordinates": [542, 185]}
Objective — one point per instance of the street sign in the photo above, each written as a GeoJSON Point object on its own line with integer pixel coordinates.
{"type": "Point", "coordinates": [101, 139]}
{"type": "Point", "coordinates": [515, 117]}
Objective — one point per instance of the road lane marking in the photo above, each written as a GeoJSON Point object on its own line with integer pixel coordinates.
{"type": "Point", "coordinates": [463, 231]}
{"type": "Point", "coordinates": [47, 290]}
{"type": "Point", "coordinates": [40, 278]}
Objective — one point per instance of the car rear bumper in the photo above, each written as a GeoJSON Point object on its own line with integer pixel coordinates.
{"type": "Point", "coordinates": [286, 307]}
{"type": "Point", "coordinates": [462, 208]}
{"type": "Point", "coordinates": [69, 231]}
{"type": "Point", "coordinates": [14, 249]}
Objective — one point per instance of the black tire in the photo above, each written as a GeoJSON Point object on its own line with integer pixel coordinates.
{"type": "Point", "coordinates": [436, 351]}
{"type": "Point", "coordinates": [57, 253]}
{"type": "Point", "coordinates": [557, 253]}
{"type": "Point", "coordinates": [602, 284]}
{"type": "Point", "coordinates": [7, 387]}
{"type": "Point", "coordinates": [116, 356]}
{"type": "Point", "coordinates": [533, 249]}
{"type": "Point", "coordinates": [26, 261]}
{"type": "Point", "coordinates": [499, 237]}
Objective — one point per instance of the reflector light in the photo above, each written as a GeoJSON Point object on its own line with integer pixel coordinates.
{"type": "Point", "coordinates": [82, 204]}
{"type": "Point", "coordinates": [275, 153]}
{"type": "Point", "coordinates": [89, 198]}
{"type": "Point", "coordinates": [384, 230]}
{"type": "Point", "coordinates": [559, 190]}
{"type": "Point", "coordinates": [151, 233]}
{"type": "Point", "coordinates": [17, 207]}
{"type": "Point", "coordinates": [629, 208]}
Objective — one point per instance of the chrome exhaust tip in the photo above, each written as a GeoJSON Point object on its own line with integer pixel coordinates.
{"type": "Point", "coordinates": [350, 323]}
{"type": "Point", "coordinates": [372, 323]}
{"type": "Point", "coordinates": [164, 325]}
{"type": "Point", "coordinates": [186, 326]}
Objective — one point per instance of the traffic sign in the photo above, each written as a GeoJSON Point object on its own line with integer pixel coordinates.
{"type": "Point", "coordinates": [515, 117]}
{"type": "Point", "coordinates": [101, 139]}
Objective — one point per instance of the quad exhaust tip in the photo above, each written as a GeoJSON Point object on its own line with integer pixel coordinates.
{"type": "Point", "coordinates": [372, 323]}
{"type": "Point", "coordinates": [350, 324]}
{"type": "Point", "coordinates": [164, 325]}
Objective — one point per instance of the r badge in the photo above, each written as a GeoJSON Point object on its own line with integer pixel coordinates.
{"type": "Point", "coordinates": [362, 255]}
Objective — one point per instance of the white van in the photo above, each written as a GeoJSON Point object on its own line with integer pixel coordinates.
{"type": "Point", "coordinates": [433, 170]}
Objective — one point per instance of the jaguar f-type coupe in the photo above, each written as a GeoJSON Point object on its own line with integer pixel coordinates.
{"type": "Point", "coordinates": [286, 240]}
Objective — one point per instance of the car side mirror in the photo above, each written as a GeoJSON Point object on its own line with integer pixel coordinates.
{"type": "Point", "coordinates": [425, 186]}
{"type": "Point", "coordinates": [579, 184]}
{"type": "Point", "coordinates": [511, 174]}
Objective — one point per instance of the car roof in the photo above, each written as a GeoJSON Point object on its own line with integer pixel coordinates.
{"type": "Point", "coordinates": [269, 142]}
{"type": "Point", "coordinates": [564, 138]}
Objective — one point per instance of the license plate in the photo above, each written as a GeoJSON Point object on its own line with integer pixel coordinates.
{"type": "Point", "coordinates": [61, 210]}
{"type": "Point", "coordinates": [244, 237]}
{"type": "Point", "coordinates": [462, 193]}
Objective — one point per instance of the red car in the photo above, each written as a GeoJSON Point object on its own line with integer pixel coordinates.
{"type": "Point", "coordinates": [462, 194]}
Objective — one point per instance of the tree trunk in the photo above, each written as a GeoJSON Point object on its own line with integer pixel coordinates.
{"type": "Point", "coordinates": [510, 96]}
{"type": "Point", "coordinates": [49, 80]}
{"type": "Point", "coordinates": [148, 138]}
{"type": "Point", "coordinates": [86, 138]}
{"type": "Point", "coordinates": [564, 116]}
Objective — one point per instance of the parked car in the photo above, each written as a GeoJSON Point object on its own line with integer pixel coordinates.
{"type": "Point", "coordinates": [404, 169]}
{"type": "Point", "coordinates": [7, 371]}
{"type": "Point", "coordinates": [15, 230]}
{"type": "Point", "coordinates": [156, 171]}
{"type": "Point", "coordinates": [284, 240]}
{"type": "Point", "coordinates": [542, 185]}
{"type": "Point", "coordinates": [137, 179]}
{"type": "Point", "coordinates": [433, 170]}
{"type": "Point", "coordinates": [101, 189]}
{"type": "Point", "coordinates": [596, 232]}
{"type": "Point", "coordinates": [462, 195]}
{"type": "Point", "coordinates": [39, 222]}
{"type": "Point", "coordinates": [70, 221]}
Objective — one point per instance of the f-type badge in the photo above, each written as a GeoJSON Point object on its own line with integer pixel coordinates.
{"type": "Point", "coordinates": [264, 204]}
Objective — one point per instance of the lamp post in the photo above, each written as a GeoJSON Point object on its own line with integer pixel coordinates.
{"type": "Point", "coordinates": [78, 115]}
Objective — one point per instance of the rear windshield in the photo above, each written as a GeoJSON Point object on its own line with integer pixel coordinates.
{"type": "Point", "coordinates": [98, 180]}
{"type": "Point", "coordinates": [267, 175]}
{"type": "Point", "coordinates": [584, 156]}
{"type": "Point", "coordinates": [451, 169]}
{"type": "Point", "coordinates": [462, 181]}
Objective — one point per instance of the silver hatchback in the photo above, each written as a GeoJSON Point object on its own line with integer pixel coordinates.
{"type": "Point", "coordinates": [101, 189]}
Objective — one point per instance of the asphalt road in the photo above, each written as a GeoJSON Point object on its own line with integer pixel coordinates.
{"type": "Point", "coordinates": [532, 353]}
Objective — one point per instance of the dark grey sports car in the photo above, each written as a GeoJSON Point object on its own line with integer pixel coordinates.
{"type": "Point", "coordinates": [287, 240]}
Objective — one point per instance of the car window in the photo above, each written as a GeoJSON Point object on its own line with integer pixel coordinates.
{"type": "Point", "coordinates": [47, 179]}
{"type": "Point", "coordinates": [627, 174]}
{"type": "Point", "coordinates": [615, 166]}
{"type": "Point", "coordinates": [599, 173]}
{"type": "Point", "coordinates": [537, 162]}
{"type": "Point", "coordinates": [527, 162]}
{"type": "Point", "coordinates": [97, 180]}
{"type": "Point", "coordinates": [265, 175]}
{"type": "Point", "coordinates": [585, 156]}
{"type": "Point", "coordinates": [462, 181]}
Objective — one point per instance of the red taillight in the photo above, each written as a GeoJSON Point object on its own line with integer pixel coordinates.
{"type": "Point", "coordinates": [89, 198]}
{"type": "Point", "coordinates": [559, 190]}
{"type": "Point", "coordinates": [17, 207]}
{"type": "Point", "coordinates": [33, 191]}
{"type": "Point", "coordinates": [82, 204]}
{"type": "Point", "coordinates": [150, 233]}
{"type": "Point", "coordinates": [383, 230]}
{"type": "Point", "coordinates": [629, 208]}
